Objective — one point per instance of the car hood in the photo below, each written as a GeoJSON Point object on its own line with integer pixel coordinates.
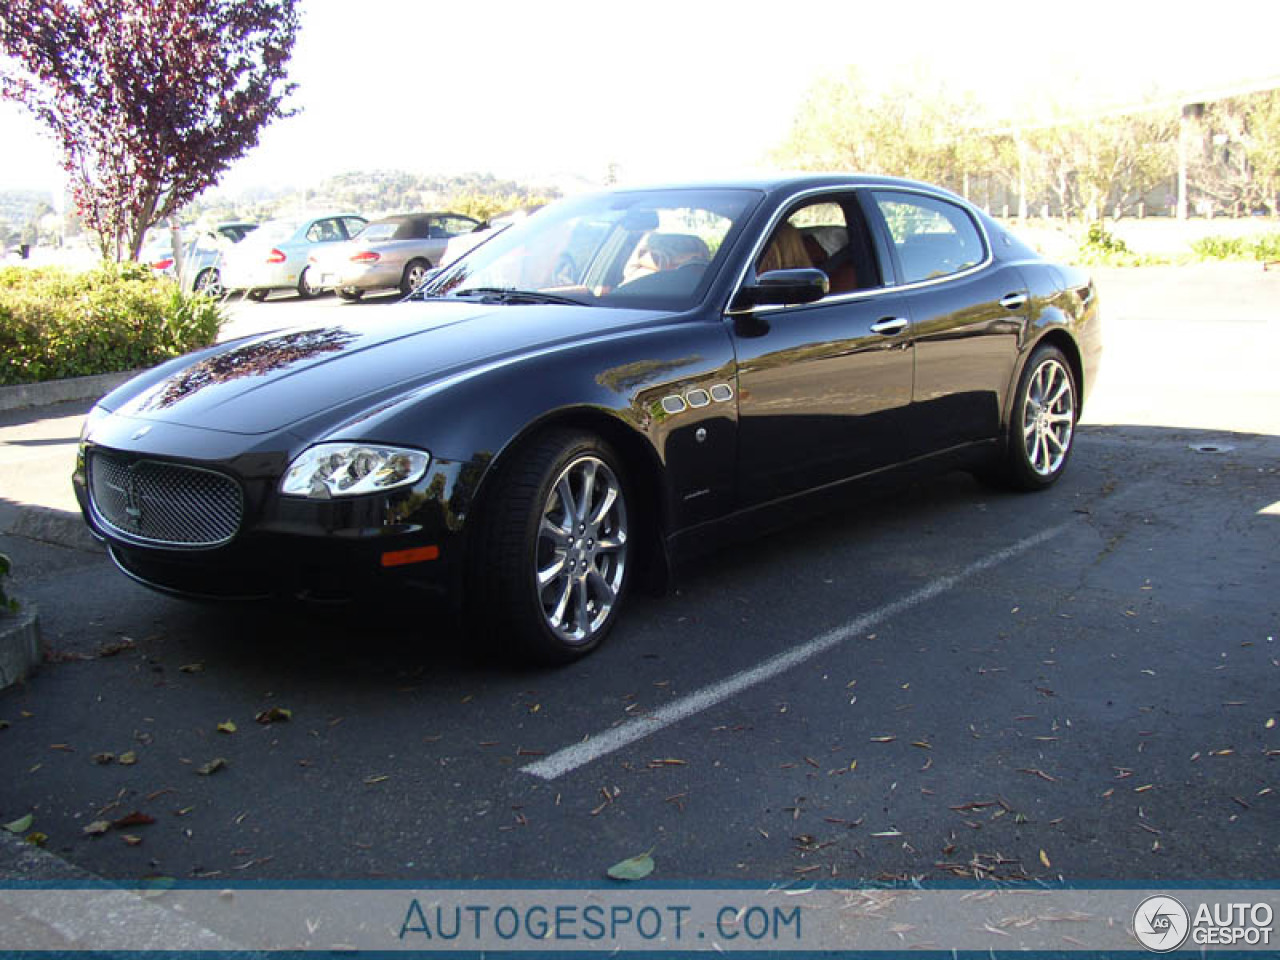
{"type": "Point", "coordinates": [263, 384]}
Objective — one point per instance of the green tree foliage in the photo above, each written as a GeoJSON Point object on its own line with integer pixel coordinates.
{"type": "Point", "coordinates": [149, 100]}
{"type": "Point", "coordinates": [1108, 162]}
{"type": "Point", "coordinates": [1238, 164]}
{"type": "Point", "coordinates": [917, 127]}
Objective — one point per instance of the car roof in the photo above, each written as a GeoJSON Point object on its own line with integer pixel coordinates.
{"type": "Point", "coordinates": [402, 217]}
{"type": "Point", "coordinates": [793, 183]}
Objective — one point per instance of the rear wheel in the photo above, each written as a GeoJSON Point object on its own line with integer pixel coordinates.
{"type": "Point", "coordinates": [1042, 422]}
{"type": "Point", "coordinates": [551, 565]}
{"type": "Point", "coordinates": [305, 289]}
{"type": "Point", "coordinates": [414, 273]}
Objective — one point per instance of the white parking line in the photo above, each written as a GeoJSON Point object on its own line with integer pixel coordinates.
{"type": "Point", "coordinates": [580, 754]}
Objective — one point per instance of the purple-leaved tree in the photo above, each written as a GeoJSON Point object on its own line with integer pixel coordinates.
{"type": "Point", "coordinates": [150, 100]}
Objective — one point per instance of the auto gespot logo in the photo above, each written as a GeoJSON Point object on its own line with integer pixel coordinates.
{"type": "Point", "coordinates": [1162, 924]}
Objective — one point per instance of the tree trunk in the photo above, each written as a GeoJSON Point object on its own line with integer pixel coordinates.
{"type": "Point", "coordinates": [138, 229]}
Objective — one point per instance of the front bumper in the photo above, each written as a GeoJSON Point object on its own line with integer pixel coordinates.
{"type": "Point", "coordinates": [327, 550]}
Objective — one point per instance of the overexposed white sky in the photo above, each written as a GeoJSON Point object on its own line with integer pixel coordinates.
{"type": "Point", "coordinates": [668, 89]}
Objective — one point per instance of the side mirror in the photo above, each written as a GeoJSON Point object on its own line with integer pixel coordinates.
{"type": "Point", "coordinates": [783, 288]}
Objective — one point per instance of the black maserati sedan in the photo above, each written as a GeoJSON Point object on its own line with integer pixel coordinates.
{"type": "Point", "coordinates": [592, 394]}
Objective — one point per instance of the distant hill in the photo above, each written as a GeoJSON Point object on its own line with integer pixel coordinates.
{"type": "Point", "coordinates": [375, 193]}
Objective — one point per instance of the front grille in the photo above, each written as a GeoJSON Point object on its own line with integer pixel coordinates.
{"type": "Point", "coordinates": [151, 501]}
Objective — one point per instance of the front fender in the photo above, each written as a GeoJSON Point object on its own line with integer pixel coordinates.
{"type": "Point", "coordinates": [482, 415]}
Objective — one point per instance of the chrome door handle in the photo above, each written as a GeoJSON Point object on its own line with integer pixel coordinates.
{"type": "Point", "coordinates": [889, 326]}
{"type": "Point", "coordinates": [1013, 301]}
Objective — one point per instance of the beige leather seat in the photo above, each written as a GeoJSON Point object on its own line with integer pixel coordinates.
{"type": "Point", "coordinates": [657, 252]}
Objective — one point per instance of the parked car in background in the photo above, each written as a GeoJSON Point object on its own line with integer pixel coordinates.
{"type": "Point", "coordinates": [394, 252]}
{"type": "Point", "coordinates": [203, 249]}
{"type": "Point", "coordinates": [275, 256]}
{"type": "Point", "coordinates": [599, 391]}
{"type": "Point", "coordinates": [485, 232]}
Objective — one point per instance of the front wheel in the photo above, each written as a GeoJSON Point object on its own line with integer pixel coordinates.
{"type": "Point", "coordinates": [551, 563]}
{"type": "Point", "coordinates": [1042, 422]}
{"type": "Point", "coordinates": [209, 282]}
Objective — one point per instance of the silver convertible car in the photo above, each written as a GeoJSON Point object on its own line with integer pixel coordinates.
{"type": "Point", "coordinates": [392, 253]}
{"type": "Point", "coordinates": [595, 394]}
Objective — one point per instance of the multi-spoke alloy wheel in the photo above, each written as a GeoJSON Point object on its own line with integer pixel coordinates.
{"type": "Point", "coordinates": [1043, 422]}
{"type": "Point", "coordinates": [581, 551]}
{"type": "Point", "coordinates": [1048, 417]}
{"type": "Point", "coordinates": [551, 551]}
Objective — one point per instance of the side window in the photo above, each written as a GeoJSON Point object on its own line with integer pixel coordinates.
{"type": "Point", "coordinates": [354, 225]}
{"type": "Point", "coordinates": [933, 238]}
{"type": "Point", "coordinates": [325, 231]}
{"type": "Point", "coordinates": [457, 226]}
{"type": "Point", "coordinates": [823, 234]}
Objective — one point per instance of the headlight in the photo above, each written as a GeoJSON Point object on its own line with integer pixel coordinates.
{"type": "Point", "coordinates": [350, 469]}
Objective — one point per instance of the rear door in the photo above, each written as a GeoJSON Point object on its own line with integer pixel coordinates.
{"type": "Point", "coordinates": [967, 310]}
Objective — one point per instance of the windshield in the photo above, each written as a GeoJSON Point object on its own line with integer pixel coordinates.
{"type": "Point", "coordinates": [656, 249]}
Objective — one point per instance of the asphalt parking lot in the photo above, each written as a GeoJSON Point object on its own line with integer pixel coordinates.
{"type": "Point", "coordinates": [948, 682]}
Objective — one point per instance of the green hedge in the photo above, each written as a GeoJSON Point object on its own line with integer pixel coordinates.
{"type": "Point", "coordinates": [1265, 247]}
{"type": "Point", "coordinates": [56, 324]}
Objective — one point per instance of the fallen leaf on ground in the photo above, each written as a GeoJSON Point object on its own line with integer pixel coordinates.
{"type": "Point", "coordinates": [104, 758]}
{"type": "Point", "coordinates": [135, 819]}
{"type": "Point", "coordinates": [21, 825]}
{"type": "Point", "coordinates": [191, 668]}
{"type": "Point", "coordinates": [213, 766]}
{"type": "Point", "coordinates": [274, 715]}
{"type": "Point", "coordinates": [633, 868]}
{"type": "Point", "coordinates": [227, 726]}
{"type": "Point", "coordinates": [97, 828]}
{"type": "Point", "coordinates": [1044, 858]}
{"type": "Point", "coordinates": [128, 758]}
{"type": "Point", "coordinates": [131, 839]}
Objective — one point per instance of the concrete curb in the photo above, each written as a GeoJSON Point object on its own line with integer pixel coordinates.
{"type": "Point", "coordinates": [48, 525]}
{"type": "Point", "coordinates": [20, 650]}
{"type": "Point", "coordinates": [61, 391]}
{"type": "Point", "coordinates": [102, 905]}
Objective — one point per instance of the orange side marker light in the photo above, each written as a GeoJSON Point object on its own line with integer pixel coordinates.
{"type": "Point", "coordinates": [399, 558]}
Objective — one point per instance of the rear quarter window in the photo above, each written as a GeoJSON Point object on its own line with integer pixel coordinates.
{"type": "Point", "coordinates": [932, 238]}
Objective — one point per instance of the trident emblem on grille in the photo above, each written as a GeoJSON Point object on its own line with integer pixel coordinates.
{"type": "Point", "coordinates": [132, 502]}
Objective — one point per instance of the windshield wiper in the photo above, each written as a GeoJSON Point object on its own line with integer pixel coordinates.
{"type": "Point", "coordinates": [512, 295]}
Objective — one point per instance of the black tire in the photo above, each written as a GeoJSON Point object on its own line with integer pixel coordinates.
{"type": "Point", "coordinates": [209, 282]}
{"type": "Point", "coordinates": [550, 589]}
{"type": "Point", "coordinates": [305, 290]}
{"type": "Point", "coordinates": [1042, 423]}
{"type": "Point", "coordinates": [415, 271]}
{"type": "Point", "coordinates": [257, 296]}
{"type": "Point", "coordinates": [350, 294]}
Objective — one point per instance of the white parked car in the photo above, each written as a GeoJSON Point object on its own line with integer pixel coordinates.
{"type": "Point", "coordinates": [274, 257]}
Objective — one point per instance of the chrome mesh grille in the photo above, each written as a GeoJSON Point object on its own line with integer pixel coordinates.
{"type": "Point", "coordinates": [169, 503]}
